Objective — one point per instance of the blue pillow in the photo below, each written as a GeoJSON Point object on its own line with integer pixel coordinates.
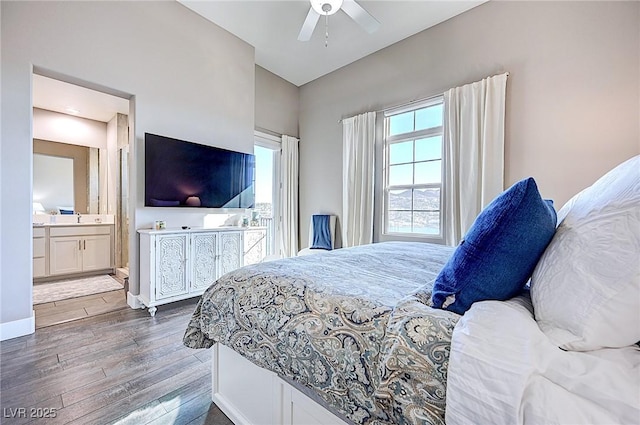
{"type": "Point", "coordinates": [498, 254]}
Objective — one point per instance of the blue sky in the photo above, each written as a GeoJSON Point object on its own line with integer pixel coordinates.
{"type": "Point", "coordinates": [423, 119]}
{"type": "Point", "coordinates": [264, 174]}
{"type": "Point", "coordinates": [425, 149]}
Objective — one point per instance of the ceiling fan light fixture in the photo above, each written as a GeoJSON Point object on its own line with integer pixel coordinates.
{"type": "Point", "coordinates": [326, 7]}
{"type": "Point", "coordinates": [329, 7]}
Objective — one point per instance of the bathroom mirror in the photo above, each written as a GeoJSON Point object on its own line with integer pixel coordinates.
{"type": "Point", "coordinates": [66, 177]}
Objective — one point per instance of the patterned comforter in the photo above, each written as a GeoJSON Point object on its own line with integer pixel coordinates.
{"type": "Point", "coordinates": [353, 325]}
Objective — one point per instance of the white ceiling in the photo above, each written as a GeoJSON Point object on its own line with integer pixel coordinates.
{"type": "Point", "coordinates": [66, 98]}
{"type": "Point", "coordinates": [272, 27]}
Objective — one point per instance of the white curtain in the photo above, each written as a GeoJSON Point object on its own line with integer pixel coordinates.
{"type": "Point", "coordinates": [358, 135]}
{"type": "Point", "coordinates": [289, 197]}
{"type": "Point", "coordinates": [474, 151]}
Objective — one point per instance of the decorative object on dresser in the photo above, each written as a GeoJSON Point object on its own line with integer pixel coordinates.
{"type": "Point", "coordinates": [176, 264]}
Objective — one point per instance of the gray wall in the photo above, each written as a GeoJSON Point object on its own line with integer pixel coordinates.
{"type": "Point", "coordinates": [276, 104]}
{"type": "Point", "coordinates": [190, 79]}
{"type": "Point", "coordinates": [572, 97]}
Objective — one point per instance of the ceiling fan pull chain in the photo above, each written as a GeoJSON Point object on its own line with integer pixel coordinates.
{"type": "Point", "coordinates": [326, 30]}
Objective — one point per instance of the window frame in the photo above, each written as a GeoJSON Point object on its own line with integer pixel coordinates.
{"type": "Point", "coordinates": [412, 136]}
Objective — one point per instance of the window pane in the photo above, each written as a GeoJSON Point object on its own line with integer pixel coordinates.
{"type": "Point", "coordinates": [429, 117]}
{"type": "Point", "coordinates": [400, 199]}
{"type": "Point", "coordinates": [399, 222]}
{"type": "Point", "coordinates": [400, 174]}
{"type": "Point", "coordinates": [401, 123]}
{"type": "Point", "coordinates": [429, 148]}
{"type": "Point", "coordinates": [401, 152]}
{"type": "Point", "coordinates": [428, 172]}
{"type": "Point", "coordinates": [426, 199]}
{"type": "Point", "coordinates": [427, 223]}
{"type": "Point", "coordinates": [264, 180]}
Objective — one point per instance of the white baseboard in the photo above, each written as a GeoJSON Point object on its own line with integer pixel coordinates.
{"type": "Point", "coordinates": [18, 328]}
{"type": "Point", "coordinates": [134, 301]}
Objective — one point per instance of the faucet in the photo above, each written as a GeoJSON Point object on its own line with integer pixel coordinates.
{"type": "Point", "coordinates": [78, 214]}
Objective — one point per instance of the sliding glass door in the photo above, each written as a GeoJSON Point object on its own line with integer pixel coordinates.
{"type": "Point", "coordinates": [267, 152]}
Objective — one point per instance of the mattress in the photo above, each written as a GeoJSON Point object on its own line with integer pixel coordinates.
{"type": "Point", "coordinates": [353, 326]}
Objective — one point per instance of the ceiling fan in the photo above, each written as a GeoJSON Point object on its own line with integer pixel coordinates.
{"type": "Point", "coordinates": [329, 7]}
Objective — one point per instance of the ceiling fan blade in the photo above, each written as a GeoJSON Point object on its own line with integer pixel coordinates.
{"type": "Point", "coordinates": [309, 25]}
{"type": "Point", "coordinates": [361, 16]}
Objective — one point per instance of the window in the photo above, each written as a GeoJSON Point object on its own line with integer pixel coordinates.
{"type": "Point", "coordinates": [413, 170]}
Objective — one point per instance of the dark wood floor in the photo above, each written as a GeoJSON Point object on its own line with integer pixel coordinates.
{"type": "Point", "coordinates": [120, 367]}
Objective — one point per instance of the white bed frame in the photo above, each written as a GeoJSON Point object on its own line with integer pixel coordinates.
{"type": "Point", "coordinates": [251, 395]}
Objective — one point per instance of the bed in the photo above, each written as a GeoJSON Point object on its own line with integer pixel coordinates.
{"type": "Point", "coordinates": [352, 326]}
{"type": "Point", "coordinates": [351, 336]}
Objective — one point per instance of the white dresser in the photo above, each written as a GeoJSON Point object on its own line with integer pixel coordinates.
{"type": "Point", "coordinates": [176, 264]}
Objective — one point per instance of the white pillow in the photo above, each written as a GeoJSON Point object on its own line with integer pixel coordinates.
{"type": "Point", "coordinates": [586, 287]}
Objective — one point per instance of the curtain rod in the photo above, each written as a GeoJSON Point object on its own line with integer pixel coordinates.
{"type": "Point", "coordinates": [423, 99]}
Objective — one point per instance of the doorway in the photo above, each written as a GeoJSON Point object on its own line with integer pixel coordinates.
{"type": "Point", "coordinates": [81, 241]}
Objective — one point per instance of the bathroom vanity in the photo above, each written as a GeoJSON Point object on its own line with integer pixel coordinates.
{"type": "Point", "coordinates": [66, 249]}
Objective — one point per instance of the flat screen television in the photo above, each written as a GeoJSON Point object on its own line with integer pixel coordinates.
{"type": "Point", "coordinates": [185, 174]}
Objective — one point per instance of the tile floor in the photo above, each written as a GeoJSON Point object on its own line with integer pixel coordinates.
{"type": "Point", "coordinates": [78, 308]}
